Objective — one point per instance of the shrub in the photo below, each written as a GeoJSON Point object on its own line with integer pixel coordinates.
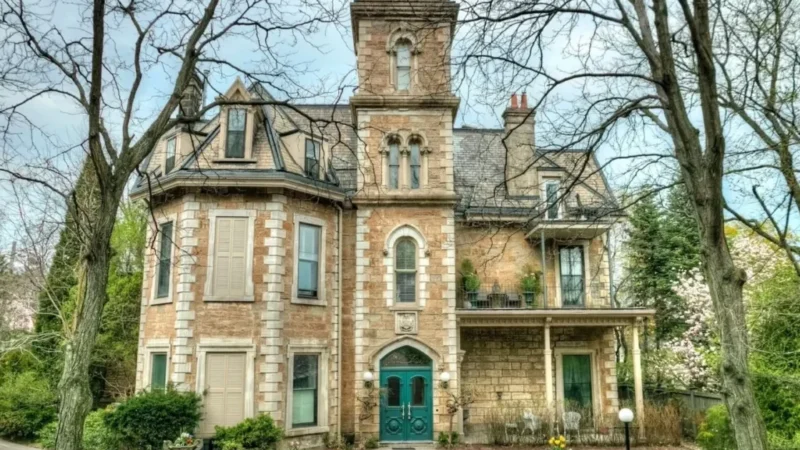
{"type": "Point", "coordinates": [96, 435]}
{"type": "Point", "coordinates": [372, 443]}
{"type": "Point", "coordinates": [150, 418]}
{"type": "Point", "coordinates": [715, 432]}
{"type": "Point", "coordinates": [26, 405]}
{"type": "Point", "coordinates": [446, 440]}
{"type": "Point", "coordinates": [258, 433]}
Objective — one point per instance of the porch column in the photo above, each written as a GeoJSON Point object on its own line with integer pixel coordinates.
{"type": "Point", "coordinates": [637, 378]}
{"type": "Point", "coordinates": [548, 372]}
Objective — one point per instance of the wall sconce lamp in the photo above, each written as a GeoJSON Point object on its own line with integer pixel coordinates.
{"type": "Point", "coordinates": [444, 379]}
{"type": "Point", "coordinates": [368, 379]}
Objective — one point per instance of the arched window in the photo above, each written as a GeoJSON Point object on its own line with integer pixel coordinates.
{"type": "Point", "coordinates": [403, 64]}
{"type": "Point", "coordinates": [394, 163]}
{"type": "Point", "coordinates": [415, 162]}
{"type": "Point", "coordinates": [405, 271]}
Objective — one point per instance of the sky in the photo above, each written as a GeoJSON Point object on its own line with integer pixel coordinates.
{"type": "Point", "coordinates": [323, 58]}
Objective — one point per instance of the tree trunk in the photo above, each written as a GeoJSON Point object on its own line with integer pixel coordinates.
{"type": "Point", "coordinates": [75, 395]}
{"type": "Point", "coordinates": [725, 283]}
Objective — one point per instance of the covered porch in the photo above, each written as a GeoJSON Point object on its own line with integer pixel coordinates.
{"type": "Point", "coordinates": [544, 371]}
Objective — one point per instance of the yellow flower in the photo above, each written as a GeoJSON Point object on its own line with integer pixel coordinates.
{"type": "Point", "coordinates": [561, 438]}
{"type": "Point", "coordinates": [563, 445]}
{"type": "Point", "coordinates": [551, 441]}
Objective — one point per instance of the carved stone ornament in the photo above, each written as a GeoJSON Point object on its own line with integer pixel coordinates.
{"type": "Point", "coordinates": [406, 322]}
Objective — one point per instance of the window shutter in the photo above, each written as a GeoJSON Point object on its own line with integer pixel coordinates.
{"type": "Point", "coordinates": [231, 257]}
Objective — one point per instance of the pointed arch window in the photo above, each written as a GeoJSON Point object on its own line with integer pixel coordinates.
{"type": "Point", "coordinates": [415, 163]}
{"type": "Point", "coordinates": [403, 64]}
{"type": "Point", "coordinates": [405, 267]}
{"type": "Point", "coordinates": [394, 163]}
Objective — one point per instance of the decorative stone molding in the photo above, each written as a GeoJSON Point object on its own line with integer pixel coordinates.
{"type": "Point", "coordinates": [270, 391]}
{"type": "Point", "coordinates": [184, 312]}
{"type": "Point", "coordinates": [405, 322]}
{"type": "Point", "coordinates": [361, 324]}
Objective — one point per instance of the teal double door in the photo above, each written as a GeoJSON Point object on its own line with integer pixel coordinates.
{"type": "Point", "coordinates": [406, 404]}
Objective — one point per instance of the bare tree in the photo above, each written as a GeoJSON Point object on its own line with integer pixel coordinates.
{"type": "Point", "coordinates": [99, 61]}
{"type": "Point", "coordinates": [645, 74]}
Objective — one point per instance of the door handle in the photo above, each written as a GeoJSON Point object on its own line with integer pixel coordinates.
{"type": "Point", "coordinates": [408, 411]}
{"type": "Point", "coordinates": [402, 411]}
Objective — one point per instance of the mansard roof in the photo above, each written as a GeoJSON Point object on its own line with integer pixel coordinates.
{"type": "Point", "coordinates": [479, 160]}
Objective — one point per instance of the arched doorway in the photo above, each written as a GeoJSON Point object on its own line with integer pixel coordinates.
{"type": "Point", "coordinates": [406, 412]}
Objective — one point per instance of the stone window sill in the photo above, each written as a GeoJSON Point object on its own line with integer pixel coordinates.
{"type": "Point", "coordinates": [235, 161]}
{"type": "Point", "coordinates": [305, 431]}
{"type": "Point", "coordinates": [212, 298]}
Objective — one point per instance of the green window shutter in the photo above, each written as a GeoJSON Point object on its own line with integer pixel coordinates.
{"type": "Point", "coordinates": [158, 372]}
{"type": "Point", "coordinates": [164, 260]}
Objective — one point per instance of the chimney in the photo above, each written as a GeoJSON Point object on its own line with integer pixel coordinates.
{"type": "Point", "coordinates": [192, 97]}
{"type": "Point", "coordinates": [519, 122]}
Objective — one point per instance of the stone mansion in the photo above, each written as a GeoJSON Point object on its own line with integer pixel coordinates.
{"type": "Point", "coordinates": [346, 268]}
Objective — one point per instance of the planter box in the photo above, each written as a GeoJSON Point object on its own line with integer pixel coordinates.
{"type": "Point", "coordinates": [167, 445]}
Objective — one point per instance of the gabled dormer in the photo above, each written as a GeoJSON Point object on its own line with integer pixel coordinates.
{"type": "Point", "coordinates": [237, 125]}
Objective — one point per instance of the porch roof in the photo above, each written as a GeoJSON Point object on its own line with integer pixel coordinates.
{"type": "Point", "coordinates": [563, 317]}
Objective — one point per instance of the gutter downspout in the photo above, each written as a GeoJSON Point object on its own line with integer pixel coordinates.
{"type": "Point", "coordinates": [339, 330]}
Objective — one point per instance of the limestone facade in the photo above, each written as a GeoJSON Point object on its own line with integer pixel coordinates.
{"type": "Point", "coordinates": [399, 174]}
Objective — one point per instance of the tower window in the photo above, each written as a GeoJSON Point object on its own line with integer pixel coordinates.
{"type": "Point", "coordinates": [394, 164]}
{"type": "Point", "coordinates": [403, 52]}
{"type": "Point", "coordinates": [414, 163]}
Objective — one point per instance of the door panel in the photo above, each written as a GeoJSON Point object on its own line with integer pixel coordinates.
{"type": "Point", "coordinates": [406, 405]}
{"type": "Point", "coordinates": [419, 421]}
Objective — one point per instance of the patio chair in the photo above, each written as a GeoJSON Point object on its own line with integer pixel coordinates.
{"type": "Point", "coordinates": [532, 423]}
{"type": "Point", "coordinates": [572, 422]}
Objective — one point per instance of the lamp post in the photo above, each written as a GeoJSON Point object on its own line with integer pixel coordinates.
{"type": "Point", "coordinates": [626, 416]}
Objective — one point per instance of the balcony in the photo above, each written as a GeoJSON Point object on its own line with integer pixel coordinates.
{"type": "Point", "coordinates": [570, 303]}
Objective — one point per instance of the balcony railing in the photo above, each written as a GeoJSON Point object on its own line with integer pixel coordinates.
{"type": "Point", "coordinates": [572, 293]}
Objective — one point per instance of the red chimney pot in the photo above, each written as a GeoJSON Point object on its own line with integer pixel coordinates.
{"type": "Point", "coordinates": [514, 101]}
{"type": "Point", "coordinates": [524, 101]}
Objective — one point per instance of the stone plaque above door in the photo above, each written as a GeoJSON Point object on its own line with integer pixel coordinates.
{"type": "Point", "coordinates": [405, 322]}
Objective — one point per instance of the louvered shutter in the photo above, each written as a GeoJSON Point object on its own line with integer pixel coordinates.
{"type": "Point", "coordinates": [230, 257]}
{"type": "Point", "coordinates": [224, 390]}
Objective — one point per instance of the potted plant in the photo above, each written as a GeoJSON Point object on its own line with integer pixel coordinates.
{"type": "Point", "coordinates": [529, 285]}
{"type": "Point", "coordinates": [184, 442]}
{"type": "Point", "coordinates": [470, 281]}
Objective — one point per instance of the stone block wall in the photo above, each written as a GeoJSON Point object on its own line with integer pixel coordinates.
{"type": "Point", "coordinates": [375, 318]}
{"type": "Point", "coordinates": [504, 368]}
{"type": "Point", "coordinates": [430, 66]}
{"type": "Point", "coordinates": [271, 322]}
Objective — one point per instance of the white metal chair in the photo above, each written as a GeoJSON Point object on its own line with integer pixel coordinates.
{"type": "Point", "coordinates": [572, 422]}
{"type": "Point", "coordinates": [532, 423]}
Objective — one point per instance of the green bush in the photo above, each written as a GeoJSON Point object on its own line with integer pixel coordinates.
{"type": "Point", "coordinates": [150, 418]}
{"type": "Point", "coordinates": [447, 441]}
{"type": "Point", "coordinates": [257, 433]}
{"type": "Point", "coordinates": [372, 443]}
{"type": "Point", "coordinates": [715, 432]}
{"type": "Point", "coordinates": [96, 436]}
{"type": "Point", "coordinates": [26, 405]}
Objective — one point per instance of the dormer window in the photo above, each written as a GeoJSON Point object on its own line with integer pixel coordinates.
{"type": "Point", "coordinates": [312, 158]}
{"type": "Point", "coordinates": [551, 195]}
{"type": "Point", "coordinates": [235, 139]}
{"type": "Point", "coordinates": [403, 62]}
{"type": "Point", "coordinates": [169, 162]}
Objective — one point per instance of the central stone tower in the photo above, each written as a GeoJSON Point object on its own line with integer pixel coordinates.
{"type": "Point", "coordinates": [405, 282]}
